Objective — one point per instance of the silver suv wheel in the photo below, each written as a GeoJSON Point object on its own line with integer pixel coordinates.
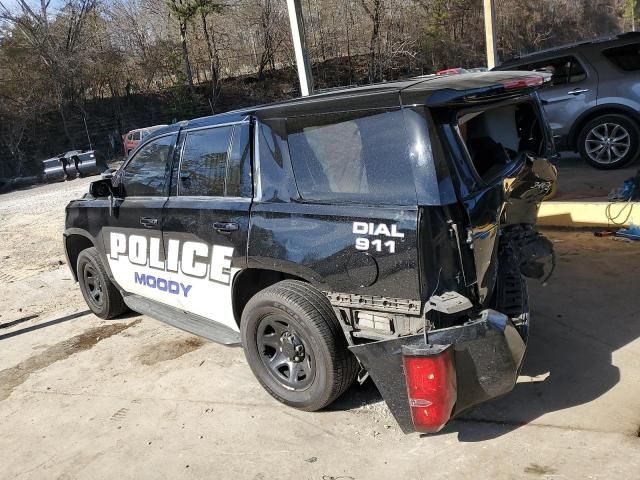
{"type": "Point", "coordinates": [607, 143]}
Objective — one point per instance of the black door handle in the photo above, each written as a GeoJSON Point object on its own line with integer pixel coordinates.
{"type": "Point", "coordinates": [148, 222]}
{"type": "Point", "coordinates": [226, 227]}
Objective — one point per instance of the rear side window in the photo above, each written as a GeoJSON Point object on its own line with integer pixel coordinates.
{"type": "Point", "coordinates": [352, 156]}
{"type": "Point", "coordinates": [204, 162]}
{"type": "Point", "coordinates": [626, 57]}
{"type": "Point", "coordinates": [563, 70]}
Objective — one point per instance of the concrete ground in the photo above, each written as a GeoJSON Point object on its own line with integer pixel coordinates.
{"type": "Point", "coordinates": [133, 398]}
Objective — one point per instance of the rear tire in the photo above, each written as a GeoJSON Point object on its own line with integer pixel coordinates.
{"type": "Point", "coordinates": [295, 346]}
{"type": "Point", "coordinates": [609, 141]}
{"type": "Point", "coordinates": [101, 295]}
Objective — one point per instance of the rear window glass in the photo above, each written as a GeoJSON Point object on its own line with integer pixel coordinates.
{"type": "Point", "coordinates": [626, 57]}
{"type": "Point", "coordinates": [496, 137]}
{"type": "Point", "coordinates": [352, 156]}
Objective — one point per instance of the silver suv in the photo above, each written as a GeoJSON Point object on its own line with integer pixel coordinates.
{"type": "Point", "coordinates": [593, 100]}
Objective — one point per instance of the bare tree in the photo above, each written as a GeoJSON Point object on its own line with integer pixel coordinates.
{"type": "Point", "coordinates": [206, 8]}
{"type": "Point", "coordinates": [117, 62]}
{"type": "Point", "coordinates": [373, 9]}
{"type": "Point", "coordinates": [184, 11]}
{"type": "Point", "coordinates": [56, 44]}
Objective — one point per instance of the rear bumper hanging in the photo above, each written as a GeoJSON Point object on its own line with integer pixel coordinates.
{"type": "Point", "coordinates": [487, 355]}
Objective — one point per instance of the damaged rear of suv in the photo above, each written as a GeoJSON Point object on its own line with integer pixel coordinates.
{"type": "Point", "coordinates": [382, 231]}
{"type": "Point", "coordinates": [492, 145]}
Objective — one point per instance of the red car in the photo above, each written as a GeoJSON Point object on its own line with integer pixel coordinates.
{"type": "Point", "coordinates": [132, 139]}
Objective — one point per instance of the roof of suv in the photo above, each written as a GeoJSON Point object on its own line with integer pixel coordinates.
{"type": "Point", "coordinates": [382, 95]}
{"type": "Point", "coordinates": [519, 59]}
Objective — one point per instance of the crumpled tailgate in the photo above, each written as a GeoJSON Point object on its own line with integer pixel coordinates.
{"type": "Point", "coordinates": [487, 357]}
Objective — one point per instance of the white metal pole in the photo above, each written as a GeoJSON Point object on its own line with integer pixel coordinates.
{"type": "Point", "coordinates": [299, 46]}
{"type": "Point", "coordinates": [490, 33]}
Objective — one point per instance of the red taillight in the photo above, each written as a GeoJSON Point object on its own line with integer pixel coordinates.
{"type": "Point", "coordinates": [431, 386]}
{"type": "Point", "coordinates": [524, 82]}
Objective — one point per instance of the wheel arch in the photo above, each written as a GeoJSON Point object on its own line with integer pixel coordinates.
{"type": "Point", "coordinates": [597, 111]}
{"type": "Point", "coordinates": [75, 241]}
{"type": "Point", "coordinates": [250, 281]}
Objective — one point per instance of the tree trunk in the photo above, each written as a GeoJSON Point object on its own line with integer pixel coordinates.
{"type": "Point", "coordinates": [267, 53]}
{"type": "Point", "coordinates": [59, 87]}
{"type": "Point", "coordinates": [185, 57]}
{"type": "Point", "coordinates": [65, 126]}
{"type": "Point", "coordinates": [348, 22]}
{"type": "Point", "coordinates": [214, 60]}
{"type": "Point", "coordinates": [375, 35]}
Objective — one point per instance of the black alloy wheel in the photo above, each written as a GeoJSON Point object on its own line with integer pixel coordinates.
{"type": "Point", "coordinates": [101, 295]}
{"type": "Point", "coordinates": [285, 353]}
{"type": "Point", "coordinates": [94, 285]}
{"type": "Point", "coordinates": [295, 345]}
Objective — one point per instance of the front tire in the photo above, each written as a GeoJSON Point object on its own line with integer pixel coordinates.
{"type": "Point", "coordinates": [295, 346]}
{"type": "Point", "coordinates": [609, 141]}
{"type": "Point", "coordinates": [101, 295]}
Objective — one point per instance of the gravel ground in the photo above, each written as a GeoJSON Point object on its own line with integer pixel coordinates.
{"type": "Point", "coordinates": [31, 225]}
{"type": "Point", "coordinates": [133, 398]}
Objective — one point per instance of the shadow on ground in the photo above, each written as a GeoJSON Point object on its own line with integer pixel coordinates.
{"type": "Point", "coordinates": [50, 323]}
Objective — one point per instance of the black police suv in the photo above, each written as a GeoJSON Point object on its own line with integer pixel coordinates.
{"type": "Point", "coordinates": [382, 231]}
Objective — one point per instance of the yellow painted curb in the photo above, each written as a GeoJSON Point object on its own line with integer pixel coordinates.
{"type": "Point", "coordinates": [589, 214]}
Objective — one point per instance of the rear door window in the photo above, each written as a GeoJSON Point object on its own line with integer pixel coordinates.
{"type": "Point", "coordinates": [352, 156]}
{"type": "Point", "coordinates": [626, 57]}
{"type": "Point", "coordinates": [204, 162]}
{"type": "Point", "coordinates": [563, 70]}
{"type": "Point", "coordinates": [239, 183]}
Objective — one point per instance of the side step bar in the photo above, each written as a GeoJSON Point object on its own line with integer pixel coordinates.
{"type": "Point", "coordinates": [183, 320]}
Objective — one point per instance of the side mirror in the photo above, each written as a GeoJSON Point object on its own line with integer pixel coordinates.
{"type": "Point", "coordinates": [101, 188]}
{"type": "Point", "coordinates": [105, 188]}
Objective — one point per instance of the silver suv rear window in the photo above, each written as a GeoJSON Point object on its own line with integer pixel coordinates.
{"type": "Point", "coordinates": [626, 57]}
{"type": "Point", "coordinates": [563, 70]}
